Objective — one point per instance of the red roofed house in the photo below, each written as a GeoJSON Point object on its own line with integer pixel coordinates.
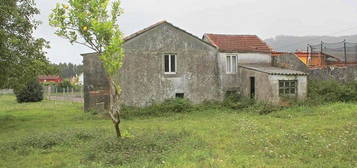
{"type": "Point", "coordinates": [49, 78]}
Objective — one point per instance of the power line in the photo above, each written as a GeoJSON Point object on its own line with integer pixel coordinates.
{"type": "Point", "coordinates": [303, 41]}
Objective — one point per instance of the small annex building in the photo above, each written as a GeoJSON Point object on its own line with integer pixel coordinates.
{"type": "Point", "coordinates": [164, 61]}
{"type": "Point", "coordinates": [272, 84]}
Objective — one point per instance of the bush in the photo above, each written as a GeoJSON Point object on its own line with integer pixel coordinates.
{"type": "Point", "coordinates": [159, 109]}
{"type": "Point", "coordinates": [236, 101]}
{"type": "Point", "coordinates": [332, 91]}
{"type": "Point", "coordinates": [64, 85]}
{"type": "Point", "coordinates": [32, 92]}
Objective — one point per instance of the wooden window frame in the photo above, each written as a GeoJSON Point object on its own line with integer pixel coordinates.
{"type": "Point", "coordinates": [288, 88]}
{"type": "Point", "coordinates": [229, 68]}
{"type": "Point", "coordinates": [170, 63]}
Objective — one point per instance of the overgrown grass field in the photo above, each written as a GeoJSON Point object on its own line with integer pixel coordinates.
{"type": "Point", "coordinates": [60, 134]}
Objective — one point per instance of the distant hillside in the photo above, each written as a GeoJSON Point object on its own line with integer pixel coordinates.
{"type": "Point", "coordinates": [293, 43]}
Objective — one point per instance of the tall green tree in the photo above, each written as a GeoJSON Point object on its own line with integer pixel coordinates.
{"type": "Point", "coordinates": [93, 23]}
{"type": "Point", "coordinates": [21, 55]}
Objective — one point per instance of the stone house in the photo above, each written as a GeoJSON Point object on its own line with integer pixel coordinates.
{"type": "Point", "coordinates": [164, 61]}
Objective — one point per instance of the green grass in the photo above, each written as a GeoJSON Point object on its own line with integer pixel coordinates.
{"type": "Point", "coordinates": [59, 134]}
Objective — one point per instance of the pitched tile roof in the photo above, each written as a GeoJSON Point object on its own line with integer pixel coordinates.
{"type": "Point", "coordinates": [238, 43]}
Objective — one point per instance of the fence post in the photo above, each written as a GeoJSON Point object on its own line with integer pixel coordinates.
{"type": "Point", "coordinates": [307, 55]}
{"type": "Point", "coordinates": [82, 90]}
{"type": "Point", "coordinates": [345, 50]}
{"type": "Point", "coordinates": [49, 92]}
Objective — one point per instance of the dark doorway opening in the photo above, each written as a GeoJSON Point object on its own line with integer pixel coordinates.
{"type": "Point", "coordinates": [180, 95]}
{"type": "Point", "coordinates": [252, 87]}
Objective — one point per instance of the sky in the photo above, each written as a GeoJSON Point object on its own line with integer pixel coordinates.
{"type": "Point", "coordinates": [265, 18]}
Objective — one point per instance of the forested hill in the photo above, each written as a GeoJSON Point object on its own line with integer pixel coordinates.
{"type": "Point", "coordinates": [293, 43]}
{"type": "Point", "coordinates": [67, 70]}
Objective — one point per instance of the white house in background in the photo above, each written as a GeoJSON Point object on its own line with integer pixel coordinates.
{"type": "Point", "coordinates": [81, 79]}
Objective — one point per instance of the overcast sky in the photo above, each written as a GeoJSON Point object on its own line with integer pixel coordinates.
{"type": "Point", "coordinates": [265, 18]}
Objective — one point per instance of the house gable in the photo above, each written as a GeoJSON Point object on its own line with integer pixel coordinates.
{"type": "Point", "coordinates": [164, 30]}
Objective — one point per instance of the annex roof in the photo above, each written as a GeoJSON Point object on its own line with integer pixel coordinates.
{"type": "Point", "coordinates": [265, 68]}
{"type": "Point", "coordinates": [238, 43]}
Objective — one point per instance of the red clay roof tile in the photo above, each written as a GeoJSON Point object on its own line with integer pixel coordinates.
{"type": "Point", "coordinates": [238, 43]}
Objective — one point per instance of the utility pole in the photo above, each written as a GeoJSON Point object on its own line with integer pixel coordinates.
{"type": "Point", "coordinates": [307, 55]}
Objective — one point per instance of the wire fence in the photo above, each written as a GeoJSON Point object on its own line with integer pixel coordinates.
{"type": "Point", "coordinates": [73, 94]}
{"type": "Point", "coordinates": [333, 53]}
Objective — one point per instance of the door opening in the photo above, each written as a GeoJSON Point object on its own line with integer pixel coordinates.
{"type": "Point", "coordinates": [252, 87]}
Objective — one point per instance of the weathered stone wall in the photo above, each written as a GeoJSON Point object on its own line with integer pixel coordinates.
{"type": "Point", "coordinates": [96, 87]}
{"type": "Point", "coordinates": [290, 61]}
{"type": "Point", "coordinates": [142, 76]}
{"type": "Point", "coordinates": [346, 73]}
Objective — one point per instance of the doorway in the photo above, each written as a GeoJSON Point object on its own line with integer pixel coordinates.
{"type": "Point", "coordinates": [252, 87]}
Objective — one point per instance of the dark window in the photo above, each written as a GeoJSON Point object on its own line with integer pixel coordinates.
{"type": "Point", "coordinates": [252, 87]}
{"type": "Point", "coordinates": [170, 63]}
{"type": "Point", "coordinates": [167, 63]}
{"type": "Point", "coordinates": [180, 95]}
{"type": "Point", "coordinates": [173, 63]}
{"type": "Point", "coordinates": [287, 87]}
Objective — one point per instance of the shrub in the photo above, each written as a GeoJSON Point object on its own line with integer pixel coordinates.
{"type": "Point", "coordinates": [332, 91]}
{"type": "Point", "coordinates": [32, 92]}
{"type": "Point", "coordinates": [65, 84]}
{"type": "Point", "coordinates": [159, 109]}
{"type": "Point", "coordinates": [236, 101]}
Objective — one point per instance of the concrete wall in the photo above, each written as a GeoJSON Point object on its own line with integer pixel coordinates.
{"type": "Point", "coordinates": [142, 76]}
{"type": "Point", "coordinates": [267, 86]}
{"type": "Point", "coordinates": [254, 58]}
{"type": "Point", "coordinates": [6, 91]}
{"type": "Point", "coordinates": [263, 88]}
{"type": "Point", "coordinates": [301, 86]}
{"type": "Point", "coordinates": [290, 61]}
{"type": "Point", "coordinates": [229, 81]}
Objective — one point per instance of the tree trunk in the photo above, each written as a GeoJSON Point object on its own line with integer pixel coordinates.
{"type": "Point", "coordinates": [117, 129]}
{"type": "Point", "coordinates": [114, 105]}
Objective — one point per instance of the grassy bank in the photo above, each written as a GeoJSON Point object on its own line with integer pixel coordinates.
{"type": "Point", "coordinates": [59, 134]}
